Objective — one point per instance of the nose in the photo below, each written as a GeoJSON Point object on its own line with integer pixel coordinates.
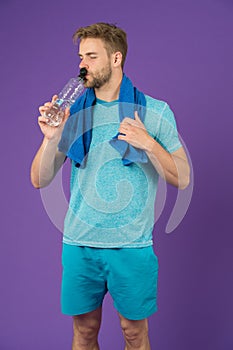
{"type": "Point", "coordinates": [83, 64]}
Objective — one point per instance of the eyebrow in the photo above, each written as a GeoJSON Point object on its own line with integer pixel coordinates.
{"type": "Point", "coordinates": [88, 54]}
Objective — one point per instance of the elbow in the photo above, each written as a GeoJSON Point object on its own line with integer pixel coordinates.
{"type": "Point", "coordinates": [183, 185]}
{"type": "Point", "coordinates": [181, 178]}
{"type": "Point", "coordinates": [34, 177]}
{"type": "Point", "coordinates": [38, 184]}
{"type": "Point", "coordinates": [180, 183]}
{"type": "Point", "coordinates": [184, 182]}
{"type": "Point", "coordinates": [35, 183]}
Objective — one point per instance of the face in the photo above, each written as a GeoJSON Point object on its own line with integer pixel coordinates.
{"type": "Point", "coordinates": [95, 59]}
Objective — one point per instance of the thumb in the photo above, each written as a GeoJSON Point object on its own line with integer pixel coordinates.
{"type": "Point", "coordinates": [54, 98]}
{"type": "Point", "coordinates": [137, 116]}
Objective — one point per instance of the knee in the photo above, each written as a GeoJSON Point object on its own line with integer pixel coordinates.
{"type": "Point", "coordinates": [135, 335]}
{"type": "Point", "coordinates": [85, 334]}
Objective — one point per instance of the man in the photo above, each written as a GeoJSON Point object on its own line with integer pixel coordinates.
{"type": "Point", "coordinates": [107, 242]}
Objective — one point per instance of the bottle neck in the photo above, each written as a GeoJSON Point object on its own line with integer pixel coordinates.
{"type": "Point", "coordinates": [62, 104]}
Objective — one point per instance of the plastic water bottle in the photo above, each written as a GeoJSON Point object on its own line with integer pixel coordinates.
{"type": "Point", "coordinates": [69, 94]}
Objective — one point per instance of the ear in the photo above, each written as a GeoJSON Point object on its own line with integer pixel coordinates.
{"type": "Point", "coordinates": [117, 58]}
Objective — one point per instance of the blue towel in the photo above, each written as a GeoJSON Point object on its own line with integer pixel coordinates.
{"type": "Point", "coordinates": [77, 133]}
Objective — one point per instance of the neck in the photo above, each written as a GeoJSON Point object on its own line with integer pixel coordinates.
{"type": "Point", "coordinates": [110, 91]}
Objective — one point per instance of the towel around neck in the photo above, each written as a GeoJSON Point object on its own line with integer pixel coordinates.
{"type": "Point", "coordinates": [76, 137]}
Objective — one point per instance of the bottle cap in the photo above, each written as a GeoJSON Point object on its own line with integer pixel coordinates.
{"type": "Point", "coordinates": [82, 73]}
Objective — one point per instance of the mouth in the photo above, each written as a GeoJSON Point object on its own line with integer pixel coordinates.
{"type": "Point", "coordinates": [87, 77]}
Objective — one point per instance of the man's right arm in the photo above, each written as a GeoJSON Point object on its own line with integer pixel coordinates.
{"type": "Point", "coordinates": [48, 160]}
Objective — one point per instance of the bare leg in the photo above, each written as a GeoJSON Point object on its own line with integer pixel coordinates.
{"type": "Point", "coordinates": [135, 334]}
{"type": "Point", "coordinates": [86, 328]}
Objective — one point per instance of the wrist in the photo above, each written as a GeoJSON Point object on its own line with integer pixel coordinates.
{"type": "Point", "coordinates": [53, 137]}
{"type": "Point", "coordinates": [149, 144]}
{"type": "Point", "coordinates": [51, 140]}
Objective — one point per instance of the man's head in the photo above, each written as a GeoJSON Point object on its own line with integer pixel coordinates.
{"type": "Point", "coordinates": [113, 38]}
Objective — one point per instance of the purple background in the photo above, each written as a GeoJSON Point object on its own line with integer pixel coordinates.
{"type": "Point", "coordinates": [179, 51]}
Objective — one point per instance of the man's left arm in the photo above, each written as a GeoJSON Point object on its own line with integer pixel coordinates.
{"type": "Point", "coordinates": [173, 167]}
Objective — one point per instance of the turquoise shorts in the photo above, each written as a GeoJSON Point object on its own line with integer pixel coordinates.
{"type": "Point", "coordinates": [129, 274]}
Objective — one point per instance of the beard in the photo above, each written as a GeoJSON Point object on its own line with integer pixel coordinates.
{"type": "Point", "coordinates": [99, 78]}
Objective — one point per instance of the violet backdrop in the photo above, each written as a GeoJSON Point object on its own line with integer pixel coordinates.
{"type": "Point", "coordinates": [180, 51]}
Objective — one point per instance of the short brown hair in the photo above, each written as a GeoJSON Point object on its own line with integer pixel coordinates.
{"type": "Point", "coordinates": [114, 38]}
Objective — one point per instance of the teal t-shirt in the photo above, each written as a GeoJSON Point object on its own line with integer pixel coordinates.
{"type": "Point", "coordinates": [112, 205]}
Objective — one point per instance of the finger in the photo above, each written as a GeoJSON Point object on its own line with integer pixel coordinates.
{"type": "Point", "coordinates": [121, 137]}
{"type": "Point", "coordinates": [132, 122]}
{"type": "Point", "coordinates": [42, 109]}
{"type": "Point", "coordinates": [123, 128]}
{"type": "Point", "coordinates": [128, 120]}
{"type": "Point", "coordinates": [54, 98]}
{"type": "Point", "coordinates": [42, 119]}
{"type": "Point", "coordinates": [45, 107]}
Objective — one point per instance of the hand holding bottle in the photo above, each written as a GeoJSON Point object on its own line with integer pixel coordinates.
{"type": "Point", "coordinates": [49, 131]}
{"type": "Point", "coordinates": [69, 94]}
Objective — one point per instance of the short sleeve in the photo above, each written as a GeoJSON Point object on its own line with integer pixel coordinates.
{"type": "Point", "coordinates": [167, 135]}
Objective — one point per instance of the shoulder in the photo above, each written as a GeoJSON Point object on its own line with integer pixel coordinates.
{"type": "Point", "coordinates": [155, 105]}
{"type": "Point", "coordinates": [160, 108]}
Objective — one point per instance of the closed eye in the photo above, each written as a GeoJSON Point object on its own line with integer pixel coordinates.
{"type": "Point", "coordinates": [91, 55]}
